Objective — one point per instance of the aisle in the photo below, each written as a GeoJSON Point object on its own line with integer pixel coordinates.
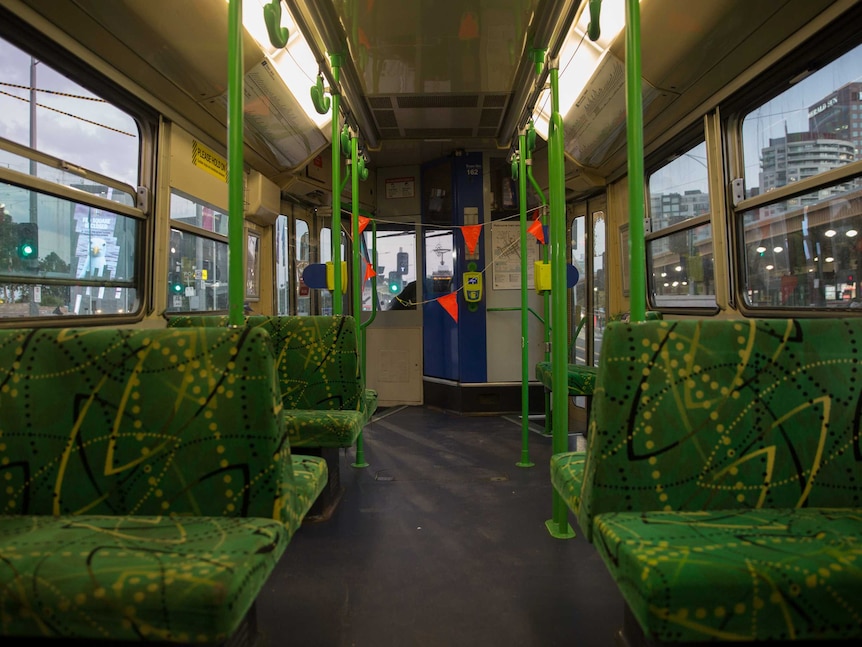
{"type": "Point", "coordinates": [440, 542]}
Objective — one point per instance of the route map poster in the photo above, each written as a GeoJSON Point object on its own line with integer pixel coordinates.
{"type": "Point", "coordinates": [506, 243]}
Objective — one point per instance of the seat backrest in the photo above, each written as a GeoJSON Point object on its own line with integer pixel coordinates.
{"type": "Point", "coordinates": [142, 422]}
{"type": "Point", "coordinates": [317, 357]}
{"type": "Point", "coordinates": [722, 414]}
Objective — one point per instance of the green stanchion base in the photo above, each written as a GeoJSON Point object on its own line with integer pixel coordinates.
{"type": "Point", "coordinates": [523, 463]}
{"type": "Point", "coordinates": [363, 464]}
{"type": "Point", "coordinates": [554, 528]}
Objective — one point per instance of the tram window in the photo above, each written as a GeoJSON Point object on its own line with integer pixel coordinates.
{"type": "Point", "coordinates": [801, 248]}
{"type": "Point", "coordinates": [678, 190]}
{"type": "Point", "coordinates": [73, 259]}
{"type": "Point", "coordinates": [191, 211]}
{"type": "Point", "coordinates": [681, 270]}
{"type": "Point", "coordinates": [810, 256]}
{"type": "Point", "coordinates": [325, 256]}
{"type": "Point", "coordinates": [197, 260]}
{"type": "Point", "coordinates": [69, 123]}
{"type": "Point", "coordinates": [396, 269]}
{"type": "Point", "coordinates": [72, 249]}
{"type": "Point", "coordinates": [579, 301]}
{"type": "Point", "coordinates": [680, 264]}
{"type": "Point", "coordinates": [600, 296]}
{"type": "Point", "coordinates": [439, 262]}
{"type": "Point", "coordinates": [303, 258]}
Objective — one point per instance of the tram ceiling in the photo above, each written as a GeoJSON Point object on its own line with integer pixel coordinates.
{"type": "Point", "coordinates": [433, 76]}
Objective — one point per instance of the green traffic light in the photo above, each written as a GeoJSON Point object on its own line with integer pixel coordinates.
{"type": "Point", "coordinates": [26, 250]}
{"type": "Point", "coordinates": [177, 287]}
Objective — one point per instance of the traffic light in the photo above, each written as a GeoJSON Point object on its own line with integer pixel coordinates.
{"type": "Point", "coordinates": [28, 241]}
{"type": "Point", "coordinates": [394, 282]}
{"type": "Point", "coordinates": [401, 262]}
{"type": "Point", "coordinates": [175, 283]}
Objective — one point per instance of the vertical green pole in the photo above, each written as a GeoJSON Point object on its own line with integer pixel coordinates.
{"type": "Point", "coordinates": [635, 139]}
{"type": "Point", "coordinates": [558, 525]}
{"type": "Point", "coordinates": [546, 298]}
{"type": "Point", "coordinates": [236, 272]}
{"type": "Point", "coordinates": [337, 295]}
{"type": "Point", "coordinates": [525, 347]}
{"type": "Point", "coordinates": [357, 277]}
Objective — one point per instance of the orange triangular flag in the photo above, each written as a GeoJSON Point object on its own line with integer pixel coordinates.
{"type": "Point", "coordinates": [369, 272]}
{"type": "Point", "coordinates": [450, 305]}
{"type": "Point", "coordinates": [535, 228]}
{"type": "Point", "coordinates": [363, 223]}
{"type": "Point", "coordinates": [471, 236]}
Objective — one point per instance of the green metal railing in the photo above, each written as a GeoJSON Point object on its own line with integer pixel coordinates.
{"type": "Point", "coordinates": [525, 346]}
{"type": "Point", "coordinates": [558, 525]}
{"type": "Point", "coordinates": [236, 205]}
{"type": "Point", "coordinates": [635, 151]}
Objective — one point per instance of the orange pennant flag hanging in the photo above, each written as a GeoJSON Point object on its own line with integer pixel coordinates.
{"type": "Point", "coordinates": [471, 236]}
{"type": "Point", "coordinates": [369, 271]}
{"type": "Point", "coordinates": [450, 305]}
{"type": "Point", "coordinates": [536, 229]}
{"type": "Point", "coordinates": [363, 223]}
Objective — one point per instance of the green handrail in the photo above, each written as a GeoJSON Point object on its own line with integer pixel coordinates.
{"type": "Point", "coordinates": [635, 144]}
{"type": "Point", "coordinates": [525, 346]}
{"type": "Point", "coordinates": [236, 206]}
{"type": "Point", "coordinates": [546, 298]}
{"type": "Point", "coordinates": [558, 525]}
{"type": "Point", "coordinates": [337, 297]}
{"type": "Point", "coordinates": [357, 277]}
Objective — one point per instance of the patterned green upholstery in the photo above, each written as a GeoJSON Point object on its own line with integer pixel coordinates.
{"type": "Point", "coordinates": [581, 379]}
{"type": "Point", "coordinates": [739, 575]}
{"type": "Point", "coordinates": [318, 367]}
{"type": "Point", "coordinates": [148, 485]}
{"type": "Point", "coordinates": [722, 482]}
{"type": "Point", "coordinates": [567, 476]}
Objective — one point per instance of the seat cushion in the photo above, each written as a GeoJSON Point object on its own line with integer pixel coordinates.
{"type": "Point", "coordinates": [175, 579]}
{"type": "Point", "coordinates": [567, 474]}
{"type": "Point", "coordinates": [323, 428]}
{"type": "Point", "coordinates": [767, 574]}
{"type": "Point", "coordinates": [310, 474]}
{"type": "Point", "coordinates": [581, 379]}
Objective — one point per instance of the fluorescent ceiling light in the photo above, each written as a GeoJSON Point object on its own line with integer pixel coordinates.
{"type": "Point", "coordinates": [579, 59]}
{"type": "Point", "coordinates": [292, 62]}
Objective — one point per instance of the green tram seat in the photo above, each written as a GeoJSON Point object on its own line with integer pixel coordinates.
{"type": "Point", "coordinates": [722, 480]}
{"type": "Point", "coordinates": [317, 358]}
{"type": "Point", "coordinates": [321, 387]}
{"type": "Point", "coordinates": [148, 484]}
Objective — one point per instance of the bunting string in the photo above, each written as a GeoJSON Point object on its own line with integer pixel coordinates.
{"type": "Point", "coordinates": [471, 234]}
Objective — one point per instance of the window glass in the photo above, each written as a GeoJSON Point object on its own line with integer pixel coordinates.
{"type": "Point", "coordinates": [302, 249]}
{"type": "Point", "coordinates": [806, 130]}
{"type": "Point", "coordinates": [579, 260]}
{"type": "Point", "coordinates": [65, 256]}
{"type": "Point", "coordinates": [809, 257]}
{"type": "Point", "coordinates": [325, 256]}
{"type": "Point", "coordinates": [600, 298]}
{"type": "Point", "coordinates": [191, 211]}
{"type": "Point", "coordinates": [68, 121]}
{"type": "Point", "coordinates": [197, 273]}
{"type": "Point", "coordinates": [71, 259]}
{"type": "Point", "coordinates": [681, 270]}
{"type": "Point", "coordinates": [679, 190]}
{"type": "Point", "coordinates": [680, 266]}
{"type": "Point", "coordinates": [396, 270]}
{"type": "Point", "coordinates": [282, 265]}
{"type": "Point", "coordinates": [197, 264]}
{"type": "Point", "coordinates": [803, 251]}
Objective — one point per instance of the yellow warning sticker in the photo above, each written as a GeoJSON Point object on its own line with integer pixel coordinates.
{"type": "Point", "coordinates": [208, 160]}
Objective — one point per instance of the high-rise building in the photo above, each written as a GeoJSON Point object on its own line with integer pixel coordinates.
{"type": "Point", "coordinates": [840, 114]}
